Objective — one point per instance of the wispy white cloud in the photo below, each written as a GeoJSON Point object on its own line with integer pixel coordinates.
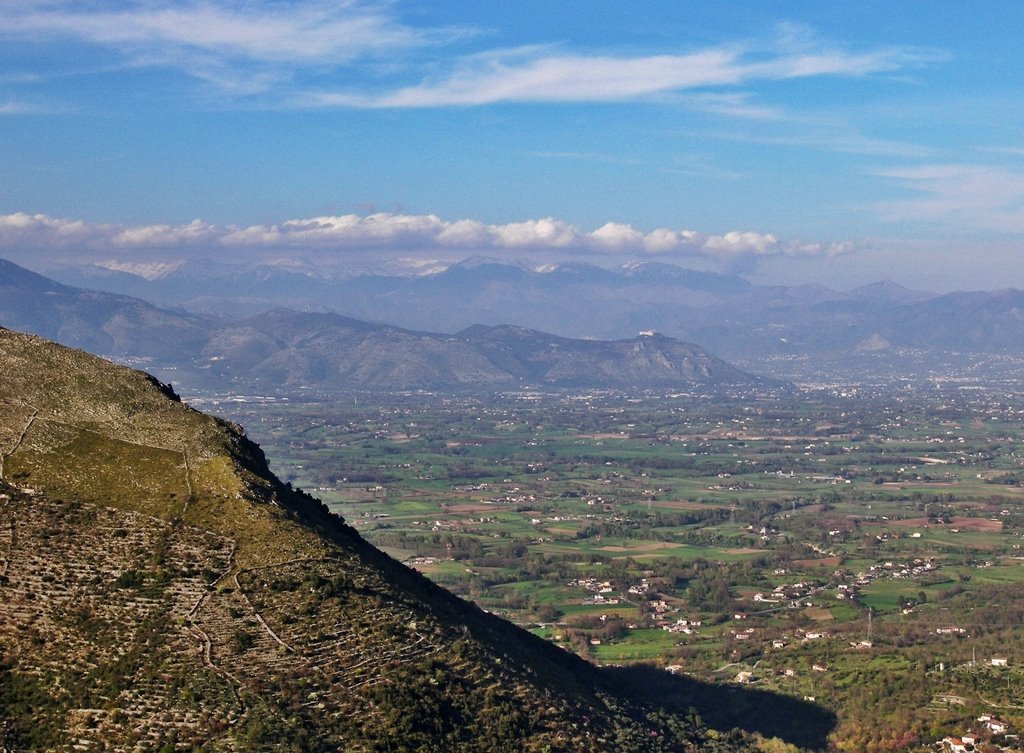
{"type": "Point", "coordinates": [960, 197]}
{"type": "Point", "coordinates": [1016, 151]}
{"type": "Point", "coordinates": [247, 48]}
{"type": "Point", "coordinates": [14, 107]}
{"type": "Point", "coordinates": [733, 105]}
{"type": "Point", "coordinates": [701, 165]}
{"type": "Point", "coordinates": [539, 75]}
{"type": "Point", "coordinates": [611, 159]}
{"type": "Point", "coordinates": [236, 44]}
{"type": "Point", "coordinates": [399, 234]}
{"type": "Point", "coordinates": [310, 31]}
{"type": "Point", "coordinates": [827, 136]}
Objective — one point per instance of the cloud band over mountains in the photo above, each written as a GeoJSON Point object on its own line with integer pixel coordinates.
{"type": "Point", "coordinates": [398, 233]}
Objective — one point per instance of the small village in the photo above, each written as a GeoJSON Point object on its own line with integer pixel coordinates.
{"type": "Point", "coordinates": [989, 736]}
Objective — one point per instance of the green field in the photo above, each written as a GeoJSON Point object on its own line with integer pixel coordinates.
{"type": "Point", "coordinates": [788, 532]}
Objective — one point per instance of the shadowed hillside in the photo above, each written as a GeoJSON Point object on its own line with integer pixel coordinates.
{"type": "Point", "coordinates": [161, 589]}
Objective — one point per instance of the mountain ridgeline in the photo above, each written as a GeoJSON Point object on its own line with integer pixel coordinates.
{"type": "Point", "coordinates": [293, 349]}
{"type": "Point", "coordinates": [160, 589]}
{"type": "Point", "coordinates": [285, 349]}
{"type": "Point", "coordinates": [795, 331]}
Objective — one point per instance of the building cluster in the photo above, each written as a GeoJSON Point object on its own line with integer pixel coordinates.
{"type": "Point", "coordinates": [992, 732]}
{"type": "Point", "coordinates": [603, 591]}
{"type": "Point", "coordinates": [682, 625]}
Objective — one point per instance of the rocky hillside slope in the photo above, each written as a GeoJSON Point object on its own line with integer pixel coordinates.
{"type": "Point", "coordinates": [161, 590]}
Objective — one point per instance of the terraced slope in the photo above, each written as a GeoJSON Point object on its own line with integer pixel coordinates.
{"type": "Point", "coordinates": [162, 590]}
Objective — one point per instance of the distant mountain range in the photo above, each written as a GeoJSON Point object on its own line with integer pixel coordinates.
{"type": "Point", "coordinates": [475, 291]}
{"type": "Point", "coordinates": [99, 322]}
{"type": "Point", "coordinates": [803, 333]}
{"type": "Point", "coordinates": [761, 328]}
{"type": "Point", "coordinates": [288, 349]}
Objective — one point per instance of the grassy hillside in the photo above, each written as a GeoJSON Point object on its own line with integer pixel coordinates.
{"type": "Point", "coordinates": [161, 590]}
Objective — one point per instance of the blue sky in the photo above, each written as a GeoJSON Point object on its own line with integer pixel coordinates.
{"type": "Point", "coordinates": [796, 142]}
